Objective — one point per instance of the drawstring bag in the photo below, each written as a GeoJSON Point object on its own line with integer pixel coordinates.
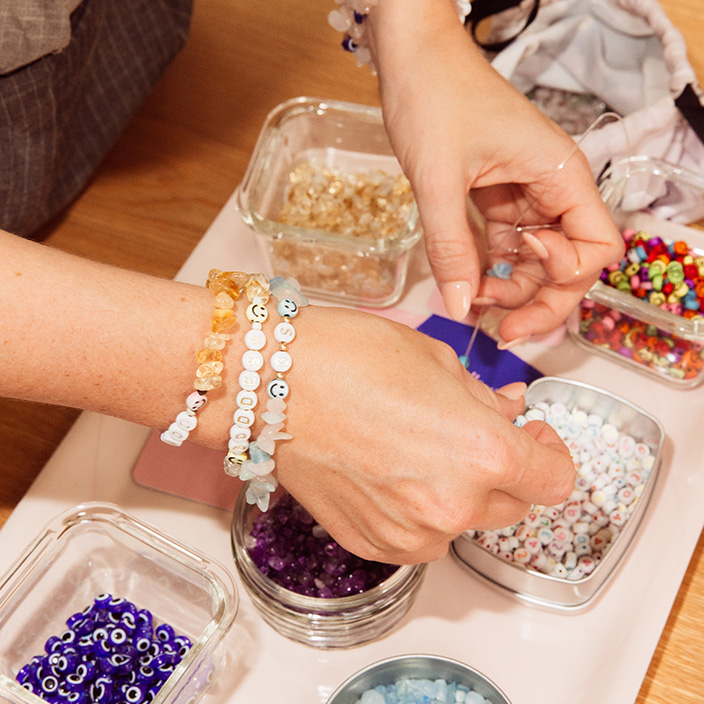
{"type": "Point", "coordinates": [623, 55]}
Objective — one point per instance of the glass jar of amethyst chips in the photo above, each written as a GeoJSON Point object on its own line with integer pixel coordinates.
{"type": "Point", "coordinates": [309, 588]}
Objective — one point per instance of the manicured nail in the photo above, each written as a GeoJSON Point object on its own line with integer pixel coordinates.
{"type": "Point", "coordinates": [484, 301]}
{"type": "Point", "coordinates": [536, 245]}
{"type": "Point", "coordinates": [514, 391]}
{"type": "Point", "coordinates": [512, 343]}
{"type": "Point", "coordinates": [457, 297]}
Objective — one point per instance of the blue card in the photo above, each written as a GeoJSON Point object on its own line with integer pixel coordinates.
{"type": "Point", "coordinates": [487, 363]}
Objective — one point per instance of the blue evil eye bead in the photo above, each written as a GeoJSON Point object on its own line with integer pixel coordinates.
{"type": "Point", "coordinates": [130, 677]}
{"type": "Point", "coordinates": [84, 627]}
{"type": "Point", "coordinates": [142, 644]}
{"type": "Point", "coordinates": [128, 621]}
{"type": "Point", "coordinates": [102, 600]}
{"type": "Point", "coordinates": [118, 636]}
{"type": "Point", "coordinates": [100, 617]}
{"type": "Point", "coordinates": [164, 672]}
{"type": "Point", "coordinates": [183, 645]}
{"type": "Point", "coordinates": [114, 617]}
{"type": "Point", "coordinates": [146, 659]}
{"type": "Point", "coordinates": [133, 694]}
{"type": "Point", "coordinates": [49, 685]}
{"type": "Point", "coordinates": [102, 648]}
{"type": "Point", "coordinates": [117, 605]}
{"type": "Point", "coordinates": [155, 648]}
{"type": "Point", "coordinates": [86, 670]}
{"type": "Point", "coordinates": [80, 697]}
{"type": "Point", "coordinates": [145, 620]}
{"type": "Point", "coordinates": [74, 683]}
{"type": "Point", "coordinates": [146, 674]}
{"type": "Point", "coordinates": [32, 687]}
{"type": "Point", "coordinates": [61, 664]}
{"type": "Point", "coordinates": [101, 690]}
{"type": "Point", "coordinates": [25, 674]}
{"type": "Point", "coordinates": [117, 663]}
{"type": "Point", "coordinates": [53, 644]}
{"type": "Point", "coordinates": [101, 633]}
{"type": "Point", "coordinates": [165, 633]}
{"type": "Point", "coordinates": [163, 660]}
{"type": "Point", "coordinates": [69, 636]}
{"type": "Point", "coordinates": [84, 646]}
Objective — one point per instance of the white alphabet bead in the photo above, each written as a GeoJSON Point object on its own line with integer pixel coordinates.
{"type": "Point", "coordinates": [255, 339]}
{"type": "Point", "coordinates": [249, 380]}
{"type": "Point", "coordinates": [281, 361]}
{"type": "Point", "coordinates": [246, 399]}
{"type": "Point", "coordinates": [240, 434]}
{"type": "Point", "coordinates": [244, 418]}
{"type": "Point", "coordinates": [252, 360]}
{"type": "Point", "coordinates": [186, 421]}
{"type": "Point", "coordinates": [284, 332]}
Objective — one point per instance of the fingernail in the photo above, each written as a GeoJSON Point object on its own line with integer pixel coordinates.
{"type": "Point", "coordinates": [536, 245]}
{"type": "Point", "coordinates": [457, 297]}
{"type": "Point", "coordinates": [512, 343]}
{"type": "Point", "coordinates": [484, 301]}
{"type": "Point", "coordinates": [513, 391]}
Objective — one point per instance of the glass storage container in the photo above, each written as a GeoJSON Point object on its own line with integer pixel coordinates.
{"type": "Point", "coordinates": [327, 200]}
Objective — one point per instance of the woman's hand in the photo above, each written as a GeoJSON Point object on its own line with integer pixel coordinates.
{"type": "Point", "coordinates": [397, 449]}
{"type": "Point", "coordinates": [458, 127]}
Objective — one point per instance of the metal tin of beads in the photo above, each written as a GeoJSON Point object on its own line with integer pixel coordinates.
{"type": "Point", "coordinates": [432, 667]}
{"type": "Point", "coordinates": [571, 592]}
{"type": "Point", "coordinates": [340, 622]}
{"type": "Point", "coordinates": [656, 325]}
{"type": "Point", "coordinates": [358, 256]}
{"type": "Point", "coordinates": [95, 549]}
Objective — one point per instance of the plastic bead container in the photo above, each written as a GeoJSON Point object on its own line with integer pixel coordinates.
{"type": "Point", "coordinates": [97, 549]}
{"type": "Point", "coordinates": [358, 266]}
{"type": "Point", "coordinates": [666, 202]}
{"type": "Point", "coordinates": [554, 592]}
{"type": "Point", "coordinates": [432, 667]}
{"type": "Point", "coordinates": [337, 622]}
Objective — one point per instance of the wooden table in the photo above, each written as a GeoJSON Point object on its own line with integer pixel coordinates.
{"type": "Point", "coordinates": [182, 156]}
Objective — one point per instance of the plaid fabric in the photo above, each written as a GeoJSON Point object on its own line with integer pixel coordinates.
{"type": "Point", "coordinates": [30, 29]}
{"type": "Point", "coordinates": [60, 114]}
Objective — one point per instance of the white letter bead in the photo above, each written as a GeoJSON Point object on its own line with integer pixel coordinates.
{"type": "Point", "coordinates": [243, 417]}
{"type": "Point", "coordinates": [255, 339]}
{"type": "Point", "coordinates": [284, 332]}
{"type": "Point", "coordinates": [246, 399]}
{"type": "Point", "coordinates": [186, 421]}
{"type": "Point", "coordinates": [170, 440]}
{"type": "Point", "coordinates": [178, 433]}
{"type": "Point", "coordinates": [239, 434]}
{"type": "Point", "coordinates": [249, 380]}
{"type": "Point", "coordinates": [237, 446]}
{"type": "Point", "coordinates": [252, 360]}
{"type": "Point", "coordinates": [281, 361]}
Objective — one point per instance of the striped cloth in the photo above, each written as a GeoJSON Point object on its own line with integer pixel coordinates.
{"type": "Point", "coordinates": [61, 113]}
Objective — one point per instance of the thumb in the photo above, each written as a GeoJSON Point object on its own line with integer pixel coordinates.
{"type": "Point", "coordinates": [449, 244]}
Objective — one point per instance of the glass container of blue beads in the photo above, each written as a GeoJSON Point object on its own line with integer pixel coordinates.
{"type": "Point", "coordinates": [411, 679]}
{"type": "Point", "coordinates": [332, 621]}
{"type": "Point", "coordinates": [102, 607]}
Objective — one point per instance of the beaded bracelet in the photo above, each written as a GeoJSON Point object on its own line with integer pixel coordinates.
{"type": "Point", "coordinates": [253, 462]}
{"type": "Point", "coordinates": [349, 18]}
{"type": "Point", "coordinates": [226, 286]}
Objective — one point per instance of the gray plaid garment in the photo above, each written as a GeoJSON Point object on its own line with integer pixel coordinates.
{"type": "Point", "coordinates": [60, 113]}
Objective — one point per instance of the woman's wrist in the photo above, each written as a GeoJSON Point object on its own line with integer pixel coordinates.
{"type": "Point", "coordinates": [394, 19]}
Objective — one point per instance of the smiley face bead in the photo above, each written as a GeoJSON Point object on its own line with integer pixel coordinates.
{"type": "Point", "coordinates": [277, 388]}
{"type": "Point", "coordinates": [257, 312]}
{"type": "Point", "coordinates": [287, 308]}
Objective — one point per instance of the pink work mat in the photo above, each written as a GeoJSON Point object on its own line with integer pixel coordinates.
{"type": "Point", "coordinates": [190, 471]}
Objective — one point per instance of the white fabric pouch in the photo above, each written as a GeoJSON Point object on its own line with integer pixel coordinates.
{"type": "Point", "coordinates": [630, 56]}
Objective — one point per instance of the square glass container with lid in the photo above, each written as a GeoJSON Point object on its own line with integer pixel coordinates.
{"type": "Point", "coordinates": [329, 203]}
{"type": "Point", "coordinates": [98, 550]}
{"type": "Point", "coordinates": [647, 312]}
